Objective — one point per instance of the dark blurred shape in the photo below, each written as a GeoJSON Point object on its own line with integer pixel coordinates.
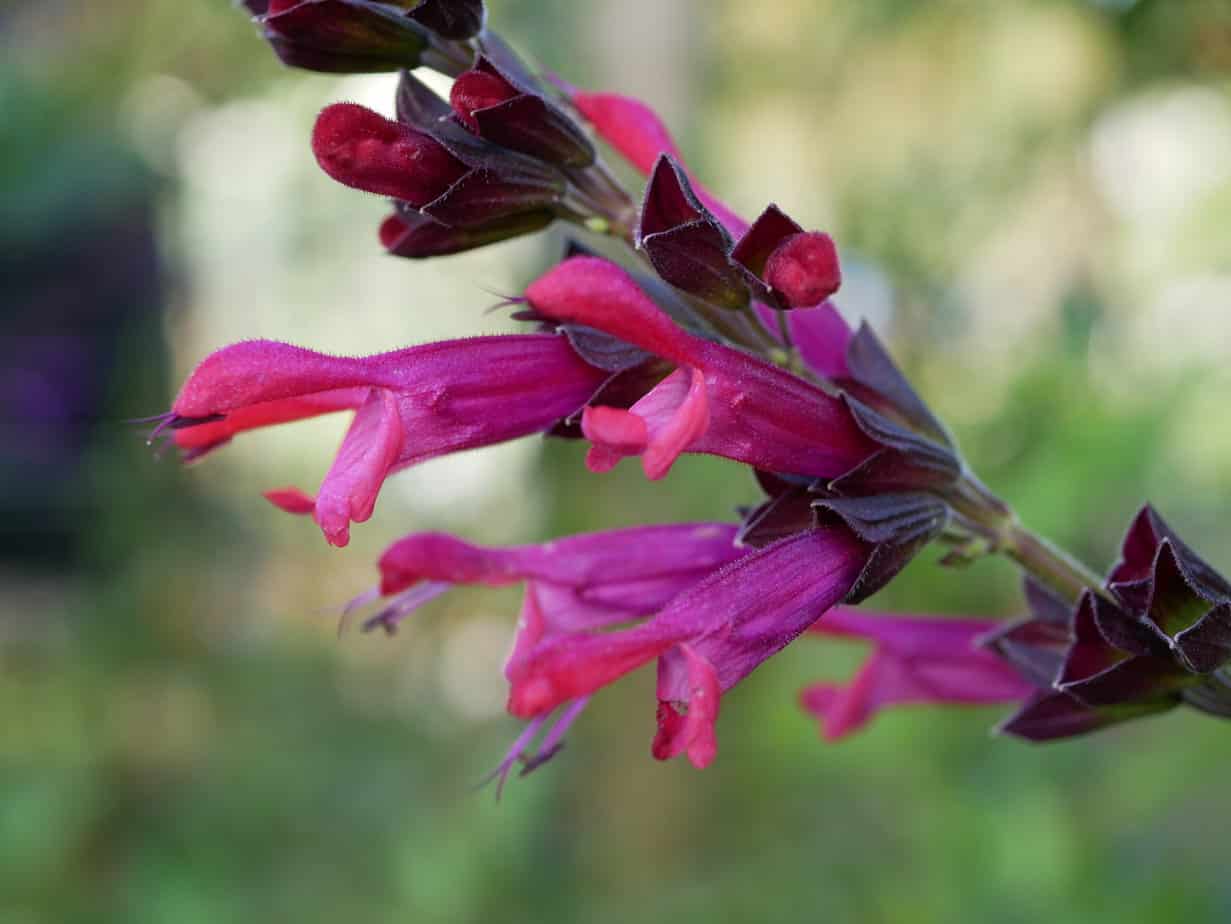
{"type": "Point", "coordinates": [77, 279]}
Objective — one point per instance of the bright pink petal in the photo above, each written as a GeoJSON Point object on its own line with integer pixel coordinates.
{"type": "Point", "coordinates": [576, 583]}
{"type": "Point", "coordinates": [369, 451]}
{"type": "Point", "coordinates": [636, 131]}
{"type": "Point", "coordinates": [916, 660]}
{"type": "Point", "coordinates": [666, 422]}
{"type": "Point", "coordinates": [615, 433]}
{"type": "Point", "coordinates": [203, 437]}
{"type": "Point", "coordinates": [821, 335]}
{"type": "Point", "coordinates": [585, 561]}
{"type": "Point", "coordinates": [292, 500]}
{"type": "Point", "coordinates": [690, 731]}
{"type": "Point", "coordinates": [599, 294]}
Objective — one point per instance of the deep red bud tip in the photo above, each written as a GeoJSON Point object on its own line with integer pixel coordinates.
{"type": "Point", "coordinates": [475, 90]}
{"type": "Point", "coordinates": [364, 150]}
{"type": "Point", "coordinates": [804, 269]}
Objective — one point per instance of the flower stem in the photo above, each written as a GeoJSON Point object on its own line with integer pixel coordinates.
{"type": "Point", "coordinates": [998, 529]}
{"type": "Point", "coordinates": [1050, 564]}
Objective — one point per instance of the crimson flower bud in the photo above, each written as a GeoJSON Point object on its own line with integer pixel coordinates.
{"type": "Point", "coordinates": [417, 236]}
{"type": "Point", "coordinates": [341, 36]}
{"type": "Point", "coordinates": [451, 19]}
{"type": "Point", "coordinates": [787, 266]}
{"type": "Point", "coordinates": [475, 90]}
{"type": "Point", "coordinates": [685, 243]}
{"type": "Point", "coordinates": [364, 150]}
{"type": "Point", "coordinates": [1154, 637]}
{"type": "Point", "coordinates": [804, 269]}
{"type": "Point", "coordinates": [498, 108]}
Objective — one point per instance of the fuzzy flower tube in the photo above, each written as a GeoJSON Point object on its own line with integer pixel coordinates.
{"type": "Point", "coordinates": [708, 334]}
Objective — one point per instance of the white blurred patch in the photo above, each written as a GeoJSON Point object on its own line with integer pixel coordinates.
{"type": "Point", "coordinates": [376, 91]}
{"type": "Point", "coordinates": [866, 295]}
{"type": "Point", "coordinates": [152, 115]}
{"type": "Point", "coordinates": [1185, 325]}
{"type": "Point", "coordinates": [489, 487]}
{"type": "Point", "coordinates": [1153, 156]}
{"type": "Point", "coordinates": [471, 668]}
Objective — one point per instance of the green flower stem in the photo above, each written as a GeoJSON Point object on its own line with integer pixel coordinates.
{"type": "Point", "coordinates": [1050, 564]}
{"type": "Point", "coordinates": [995, 523]}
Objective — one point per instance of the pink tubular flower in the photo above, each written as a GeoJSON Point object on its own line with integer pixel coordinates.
{"type": "Point", "coordinates": [411, 405]}
{"type": "Point", "coordinates": [580, 584]}
{"type": "Point", "coordinates": [718, 400]}
{"type": "Point", "coordinates": [915, 660]}
{"type": "Point", "coordinates": [709, 637]}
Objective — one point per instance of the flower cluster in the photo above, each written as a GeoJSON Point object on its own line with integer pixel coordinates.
{"type": "Point", "coordinates": [1156, 635]}
{"type": "Point", "coordinates": [718, 336]}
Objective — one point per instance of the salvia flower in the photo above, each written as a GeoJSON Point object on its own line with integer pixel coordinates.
{"type": "Point", "coordinates": [915, 660]}
{"type": "Point", "coordinates": [706, 640]}
{"type": "Point", "coordinates": [715, 611]}
{"type": "Point", "coordinates": [589, 583]}
{"type": "Point", "coordinates": [410, 405]}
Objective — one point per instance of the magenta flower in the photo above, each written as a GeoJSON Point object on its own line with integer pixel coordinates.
{"type": "Point", "coordinates": [588, 583]}
{"type": "Point", "coordinates": [915, 660]}
{"type": "Point", "coordinates": [708, 638]}
{"type": "Point", "coordinates": [410, 405]}
{"type": "Point", "coordinates": [718, 400]}
{"type": "Point", "coordinates": [716, 611]}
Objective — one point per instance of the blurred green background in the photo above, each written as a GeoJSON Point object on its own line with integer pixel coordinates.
{"type": "Point", "coordinates": [1033, 200]}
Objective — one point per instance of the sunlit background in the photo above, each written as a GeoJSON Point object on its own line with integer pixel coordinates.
{"type": "Point", "coordinates": [1033, 201]}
